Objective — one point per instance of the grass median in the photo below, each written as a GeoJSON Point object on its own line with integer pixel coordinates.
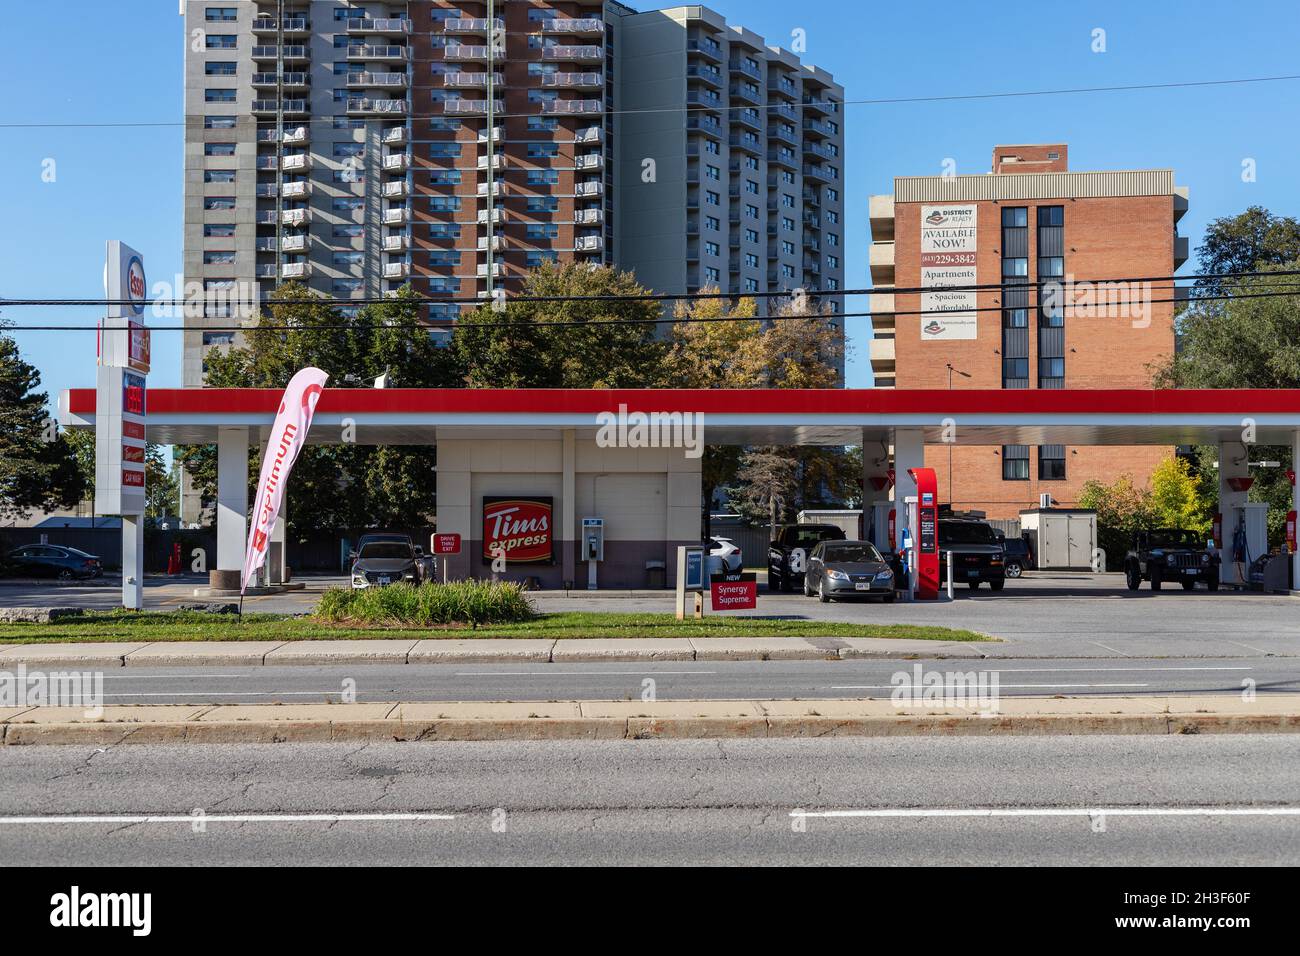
{"type": "Point", "coordinates": [192, 626]}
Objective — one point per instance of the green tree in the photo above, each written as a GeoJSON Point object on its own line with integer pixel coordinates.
{"type": "Point", "coordinates": [1244, 243]}
{"type": "Point", "coordinates": [38, 468]}
{"type": "Point", "coordinates": [345, 485]}
{"type": "Point", "coordinates": [1122, 508]}
{"type": "Point", "coordinates": [604, 343]}
{"type": "Point", "coordinates": [162, 493]}
{"type": "Point", "coordinates": [1177, 497]}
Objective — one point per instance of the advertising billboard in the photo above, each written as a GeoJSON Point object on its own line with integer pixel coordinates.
{"type": "Point", "coordinates": [948, 248]}
{"type": "Point", "coordinates": [521, 527]}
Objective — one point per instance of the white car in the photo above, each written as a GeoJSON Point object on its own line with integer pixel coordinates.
{"type": "Point", "coordinates": [724, 557]}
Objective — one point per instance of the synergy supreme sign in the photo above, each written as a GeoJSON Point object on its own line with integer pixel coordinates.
{"type": "Point", "coordinates": [520, 528]}
{"type": "Point", "coordinates": [948, 259]}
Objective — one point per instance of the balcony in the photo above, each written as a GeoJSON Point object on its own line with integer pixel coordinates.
{"type": "Point", "coordinates": [497, 135]}
{"type": "Point", "coordinates": [705, 73]}
{"type": "Point", "coordinates": [291, 81]}
{"type": "Point", "coordinates": [399, 25]}
{"type": "Point", "coordinates": [496, 215]}
{"type": "Point", "coordinates": [783, 157]}
{"type": "Point", "coordinates": [709, 125]}
{"type": "Point", "coordinates": [396, 162]}
{"type": "Point", "coordinates": [881, 215]}
{"type": "Point", "coordinates": [742, 92]}
{"type": "Point", "coordinates": [297, 163]}
{"type": "Point", "coordinates": [575, 26]}
{"type": "Point", "coordinates": [816, 127]}
{"type": "Point", "coordinates": [589, 244]}
{"type": "Point", "coordinates": [747, 142]}
{"type": "Point", "coordinates": [368, 107]}
{"type": "Point", "coordinates": [292, 26]}
{"type": "Point", "coordinates": [291, 53]}
{"type": "Point", "coordinates": [882, 354]}
{"type": "Point", "coordinates": [295, 270]}
{"type": "Point", "coordinates": [378, 54]}
{"type": "Point", "coordinates": [294, 217]}
{"type": "Point", "coordinates": [482, 270]}
{"type": "Point", "coordinates": [290, 107]}
{"type": "Point", "coordinates": [397, 243]}
{"type": "Point", "coordinates": [466, 51]}
{"type": "Point", "coordinates": [291, 136]}
{"type": "Point", "coordinates": [459, 107]}
{"type": "Point", "coordinates": [589, 217]}
{"type": "Point", "coordinates": [386, 81]}
{"type": "Point", "coordinates": [1180, 250]}
{"type": "Point", "coordinates": [813, 104]}
{"type": "Point", "coordinates": [583, 54]}
{"type": "Point", "coordinates": [816, 149]}
{"type": "Point", "coordinates": [397, 270]}
{"type": "Point", "coordinates": [395, 189]}
{"type": "Point", "coordinates": [460, 79]}
{"type": "Point", "coordinates": [482, 189]}
{"type": "Point", "coordinates": [572, 81]}
{"type": "Point", "coordinates": [704, 99]}
{"type": "Point", "coordinates": [297, 190]}
{"type": "Point", "coordinates": [397, 216]}
{"type": "Point", "coordinates": [499, 161]}
{"type": "Point", "coordinates": [710, 48]}
{"type": "Point", "coordinates": [394, 136]}
{"type": "Point", "coordinates": [817, 171]}
{"type": "Point", "coordinates": [264, 270]}
{"type": "Point", "coordinates": [881, 260]}
{"type": "Point", "coordinates": [293, 244]}
{"type": "Point", "coordinates": [571, 107]}
{"type": "Point", "coordinates": [785, 112]}
{"type": "Point", "coordinates": [782, 86]}
{"type": "Point", "coordinates": [594, 161]}
{"type": "Point", "coordinates": [266, 190]}
{"type": "Point", "coordinates": [880, 304]}
{"type": "Point", "coordinates": [497, 243]}
{"type": "Point", "coordinates": [811, 198]}
{"type": "Point", "coordinates": [476, 25]}
{"type": "Point", "coordinates": [589, 189]}
{"type": "Point", "coordinates": [783, 134]}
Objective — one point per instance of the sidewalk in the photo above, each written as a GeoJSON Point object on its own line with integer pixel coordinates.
{"type": "Point", "coordinates": [483, 651]}
{"type": "Point", "coordinates": [638, 720]}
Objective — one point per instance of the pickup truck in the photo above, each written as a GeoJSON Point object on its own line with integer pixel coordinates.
{"type": "Point", "coordinates": [977, 554]}
{"type": "Point", "coordinates": [787, 556]}
{"type": "Point", "coordinates": [1170, 554]}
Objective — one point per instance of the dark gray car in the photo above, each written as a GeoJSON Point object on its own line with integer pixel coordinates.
{"type": "Point", "coordinates": [379, 563]}
{"type": "Point", "coordinates": [840, 569]}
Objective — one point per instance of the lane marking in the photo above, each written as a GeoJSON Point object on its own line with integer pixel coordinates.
{"type": "Point", "coordinates": [1257, 650]}
{"type": "Point", "coordinates": [1000, 686]}
{"type": "Point", "coordinates": [1103, 670]}
{"type": "Point", "coordinates": [227, 818]}
{"type": "Point", "coordinates": [1058, 812]}
{"type": "Point", "coordinates": [233, 693]}
{"type": "Point", "coordinates": [1114, 650]}
{"type": "Point", "coordinates": [562, 673]}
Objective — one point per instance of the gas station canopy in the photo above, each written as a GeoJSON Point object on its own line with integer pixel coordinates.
{"type": "Point", "coordinates": [399, 416]}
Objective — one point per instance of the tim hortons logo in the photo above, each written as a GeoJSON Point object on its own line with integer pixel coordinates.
{"type": "Point", "coordinates": [521, 527]}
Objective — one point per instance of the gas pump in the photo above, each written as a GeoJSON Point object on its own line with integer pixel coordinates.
{"type": "Point", "coordinates": [923, 520]}
{"type": "Point", "coordinates": [1241, 535]}
{"type": "Point", "coordinates": [593, 547]}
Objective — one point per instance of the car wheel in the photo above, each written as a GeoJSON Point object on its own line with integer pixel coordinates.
{"type": "Point", "coordinates": [1155, 579]}
{"type": "Point", "coordinates": [1212, 582]}
{"type": "Point", "coordinates": [65, 574]}
{"type": "Point", "coordinates": [1132, 578]}
{"type": "Point", "coordinates": [889, 598]}
{"type": "Point", "coordinates": [1189, 585]}
{"type": "Point", "coordinates": [807, 591]}
{"type": "Point", "coordinates": [997, 585]}
{"type": "Point", "coordinates": [1013, 569]}
{"type": "Point", "coordinates": [773, 583]}
{"type": "Point", "coordinates": [821, 592]}
{"type": "Point", "coordinates": [974, 585]}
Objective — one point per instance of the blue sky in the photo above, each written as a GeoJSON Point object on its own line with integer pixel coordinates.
{"type": "Point", "coordinates": [125, 183]}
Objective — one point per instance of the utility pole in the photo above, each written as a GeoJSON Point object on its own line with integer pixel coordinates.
{"type": "Point", "coordinates": [491, 140]}
{"type": "Point", "coordinates": [950, 444]}
{"type": "Point", "coordinates": [279, 141]}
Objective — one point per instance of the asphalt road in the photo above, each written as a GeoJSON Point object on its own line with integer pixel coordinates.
{"type": "Point", "coordinates": [722, 680]}
{"type": "Point", "coordinates": [1044, 614]}
{"type": "Point", "coordinates": [1193, 800]}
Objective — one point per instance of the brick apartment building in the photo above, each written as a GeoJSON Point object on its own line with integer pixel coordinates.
{"type": "Point", "coordinates": [1031, 219]}
{"type": "Point", "coordinates": [358, 145]}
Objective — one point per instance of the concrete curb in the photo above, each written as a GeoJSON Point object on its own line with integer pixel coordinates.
{"type": "Point", "coordinates": [477, 651]}
{"type": "Point", "coordinates": [635, 720]}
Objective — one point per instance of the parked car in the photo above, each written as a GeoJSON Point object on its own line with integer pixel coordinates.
{"type": "Point", "coordinates": [839, 569]}
{"type": "Point", "coordinates": [976, 553]}
{"type": "Point", "coordinates": [428, 562]}
{"type": "Point", "coordinates": [384, 562]}
{"type": "Point", "coordinates": [787, 556]}
{"type": "Point", "coordinates": [724, 557]}
{"type": "Point", "coordinates": [1170, 554]}
{"type": "Point", "coordinates": [53, 561]}
{"type": "Point", "coordinates": [1017, 557]}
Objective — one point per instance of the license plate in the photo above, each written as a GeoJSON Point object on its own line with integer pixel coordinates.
{"type": "Point", "coordinates": [385, 580]}
{"type": "Point", "coordinates": [973, 573]}
{"type": "Point", "coordinates": [1189, 571]}
{"type": "Point", "coordinates": [862, 586]}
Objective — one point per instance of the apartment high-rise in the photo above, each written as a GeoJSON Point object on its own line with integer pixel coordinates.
{"type": "Point", "coordinates": [359, 146]}
{"type": "Point", "coordinates": [1030, 220]}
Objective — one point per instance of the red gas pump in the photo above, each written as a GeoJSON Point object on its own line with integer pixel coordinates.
{"type": "Point", "coordinates": [893, 529]}
{"type": "Point", "coordinates": [1216, 531]}
{"type": "Point", "coordinates": [1290, 532]}
{"type": "Point", "coordinates": [927, 534]}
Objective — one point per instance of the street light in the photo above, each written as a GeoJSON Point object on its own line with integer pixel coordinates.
{"type": "Point", "coordinates": [951, 370]}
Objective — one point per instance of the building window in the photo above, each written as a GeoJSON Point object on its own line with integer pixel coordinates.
{"type": "Point", "coordinates": [346, 203]}
{"type": "Point", "coordinates": [348, 258]}
{"type": "Point", "coordinates": [1051, 462]}
{"type": "Point", "coordinates": [712, 223]}
{"type": "Point", "coordinates": [712, 276]}
{"type": "Point", "coordinates": [221, 41]}
{"type": "Point", "coordinates": [541, 230]}
{"type": "Point", "coordinates": [218, 202]}
{"type": "Point", "coordinates": [444, 230]}
{"type": "Point", "coordinates": [218, 122]}
{"type": "Point", "coordinates": [542, 177]}
{"type": "Point", "coordinates": [218, 149]}
{"type": "Point", "coordinates": [712, 249]}
{"type": "Point", "coordinates": [218, 338]}
{"type": "Point", "coordinates": [218, 230]}
{"type": "Point", "coordinates": [535, 257]}
{"type": "Point", "coordinates": [1051, 312]}
{"type": "Point", "coordinates": [218, 258]}
{"type": "Point", "coordinates": [219, 68]}
{"type": "Point", "coordinates": [218, 175]}
{"type": "Point", "coordinates": [221, 14]}
{"type": "Point", "coordinates": [350, 231]}
{"type": "Point", "coordinates": [1015, 462]}
{"type": "Point", "coordinates": [543, 150]}
{"type": "Point", "coordinates": [346, 150]}
{"type": "Point", "coordinates": [219, 96]}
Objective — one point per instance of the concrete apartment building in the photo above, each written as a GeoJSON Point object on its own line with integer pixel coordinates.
{"type": "Point", "coordinates": [1029, 220]}
{"type": "Point", "coordinates": [359, 146]}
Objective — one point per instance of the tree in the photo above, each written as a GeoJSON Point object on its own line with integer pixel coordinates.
{"type": "Point", "coordinates": [605, 342]}
{"type": "Point", "coordinates": [348, 484]}
{"type": "Point", "coordinates": [1244, 243]}
{"type": "Point", "coordinates": [38, 468]}
{"type": "Point", "coordinates": [1122, 508]}
{"type": "Point", "coordinates": [162, 492]}
{"type": "Point", "coordinates": [1177, 497]}
{"type": "Point", "coordinates": [765, 478]}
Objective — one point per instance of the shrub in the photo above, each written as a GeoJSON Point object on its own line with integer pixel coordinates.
{"type": "Point", "coordinates": [470, 602]}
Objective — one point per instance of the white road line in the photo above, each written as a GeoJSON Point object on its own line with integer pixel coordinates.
{"type": "Point", "coordinates": [1257, 650]}
{"type": "Point", "coordinates": [1059, 812]}
{"type": "Point", "coordinates": [176, 677]}
{"type": "Point", "coordinates": [229, 818]}
{"type": "Point", "coordinates": [562, 673]}
{"type": "Point", "coordinates": [234, 693]}
{"type": "Point", "coordinates": [1114, 650]}
{"type": "Point", "coordinates": [1102, 670]}
{"type": "Point", "coordinates": [1000, 686]}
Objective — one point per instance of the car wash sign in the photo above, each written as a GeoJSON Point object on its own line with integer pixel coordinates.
{"type": "Point", "coordinates": [120, 391]}
{"type": "Point", "coordinates": [519, 529]}
{"type": "Point", "coordinates": [948, 246]}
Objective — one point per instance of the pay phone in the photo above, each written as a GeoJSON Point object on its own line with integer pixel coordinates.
{"type": "Point", "coordinates": [593, 547]}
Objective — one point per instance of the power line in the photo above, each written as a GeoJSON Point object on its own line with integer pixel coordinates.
{"type": "Point", "coordinates": [674, 320]}
{"type": "Point", "coordinates": [881, 101]}
{"type": "Point", "coordinates": [1072, 282]}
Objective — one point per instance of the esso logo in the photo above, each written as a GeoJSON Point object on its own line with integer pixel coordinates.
{"type": "Point", "coordinates": [135, 285]}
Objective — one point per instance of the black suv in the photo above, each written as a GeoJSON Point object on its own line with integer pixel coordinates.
{"type": "Point", "coordinates": [1018, 556]}
{"type": "Point", "coordinates": [787, 556]}
{"type": "Point", "coordinates": [1169, 554]}
{"type": "Point", "coordinates": [976, 553]}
